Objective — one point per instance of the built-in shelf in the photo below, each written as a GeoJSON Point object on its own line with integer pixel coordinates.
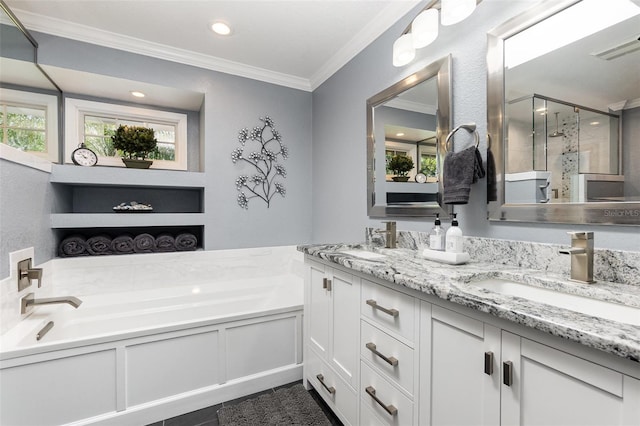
{"type": "Point", "coordinates": [120, 176]}
{"type": "Point", "coordinates": [125, 220]}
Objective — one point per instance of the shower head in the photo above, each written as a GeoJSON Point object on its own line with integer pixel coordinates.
{"type": "Point", "coordinates": [557, 133]}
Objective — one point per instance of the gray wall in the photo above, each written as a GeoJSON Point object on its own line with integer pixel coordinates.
{"type": "Point", "coordinates": [231, 103]}
{"type": "Point", "coordinates": [339, 134]}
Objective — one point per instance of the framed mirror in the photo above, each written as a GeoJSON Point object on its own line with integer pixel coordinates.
{"type": "Point", "coordinates": [564, 114]}
{"type": "Point", "coordinates": [407, 125]}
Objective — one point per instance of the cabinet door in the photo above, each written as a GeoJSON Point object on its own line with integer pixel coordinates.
{"type": "Point", "coordinates": [551, 387]}
{"type": "Point", "coordinates": [345, 326]}
{"type": "Point", "coordinates": [318, 309]}
{"type": "Point", "coordinates": [459, 359]}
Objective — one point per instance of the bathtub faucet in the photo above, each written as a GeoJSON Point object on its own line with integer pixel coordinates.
{"type": "Point", "coordinates": [30, 300]}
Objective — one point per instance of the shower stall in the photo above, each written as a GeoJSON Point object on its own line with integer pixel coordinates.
{"type": "Point", "coordinates": [560, 152]}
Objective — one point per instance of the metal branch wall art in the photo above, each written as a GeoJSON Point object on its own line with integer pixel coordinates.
{"type": "Point", "coordinates": [268, 147]}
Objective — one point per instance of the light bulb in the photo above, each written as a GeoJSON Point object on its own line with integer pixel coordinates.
{"type": "Point", "coordinates": [425, 28]}
{"type": "Point", "coordinates": [403, 51]}
{"type": "Point", "coordinates": [454, 11]}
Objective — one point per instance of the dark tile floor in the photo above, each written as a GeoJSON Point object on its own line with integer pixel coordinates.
{"type": "Point", "coordinates": [208, 416]}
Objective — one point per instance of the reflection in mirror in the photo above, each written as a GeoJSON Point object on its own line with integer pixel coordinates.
{"type": "Point", "coordinates": [406, 127]}
{"type": "Point", "coordinates": [564, 113]}
{"type": "Point", "coordinates": [29, 99]}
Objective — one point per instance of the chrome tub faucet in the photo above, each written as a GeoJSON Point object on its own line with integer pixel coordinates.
{"type": "Point", "coordinates": [389, 233]}
{"type": "Point", "coordinates": [581, 253]}
{"type": "Point", "coordinates": [30, 300]}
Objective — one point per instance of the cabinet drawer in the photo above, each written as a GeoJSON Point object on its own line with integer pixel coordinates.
{"type": "Point", "coordinates": [367, 418]}
{"type": "Point", "coordinates": [393, 358]}
{"type": "Point", "coordinates": [335, 392]}
{"type": "Point", "coordinates": [392, 406]}
{"type": "Point", "coordinates": [389, 308]}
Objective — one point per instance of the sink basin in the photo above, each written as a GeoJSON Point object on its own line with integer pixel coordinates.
{"type": "Point", "coordinates": [364, 254]}
{"type": "Point", "coordinates": [585, 305]}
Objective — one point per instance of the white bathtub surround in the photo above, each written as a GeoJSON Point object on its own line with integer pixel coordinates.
{"type": "Point", "coordinates": [156, 336]}
{"type": "Point", "coordinates": [609, 265]}
{"type": "Point", "coordinates": [406, 268]}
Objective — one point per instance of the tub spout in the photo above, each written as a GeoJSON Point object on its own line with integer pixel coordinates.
{"type": "Point", "coordinates": [30, 300]}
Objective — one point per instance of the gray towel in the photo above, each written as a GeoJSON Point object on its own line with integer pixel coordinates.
{"type": "Point", "coordinates": [72, 246]}
{"type": "Point", "coordinates": [186, 242]}
{"type": "Point", "coordinates": [165, 243]}
{"type": "Point", "coordinates": [461, 169]}
{"type": "Point", "coordinates": [122, 244]}
{"type": "Point", "coordinates": [144, 243]}
{"type": "Point", "coordinates": [99, 245]}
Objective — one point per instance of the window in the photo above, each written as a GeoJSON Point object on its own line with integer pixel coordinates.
{"type": "Point", "coordinates": [28, 122]}
{"type": "Point", "coordinates": [93, 123]}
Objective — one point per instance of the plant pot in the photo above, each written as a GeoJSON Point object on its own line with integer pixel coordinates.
{"type": "Point", "coordinates": [400, 178]}
{"type": "Point", "coordinates": [134, 163]}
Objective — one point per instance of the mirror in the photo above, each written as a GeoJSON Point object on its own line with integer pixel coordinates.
{"type": "Point", "coordinates": [410, 119]}
{"type": "Point", "coordinates": [563, 95]}
{"type": "Point", "coordinates": [18, 55]}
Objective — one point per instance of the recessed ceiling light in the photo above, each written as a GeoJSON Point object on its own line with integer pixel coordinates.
{"type": "Point", "coordinates": [137, 94]}
{"type": "Point", "coordinates": [399, 134]}
{"type": "Point", "coordinates": [221, 28]}
{"type": "Point", "coordinates": [594, 123]}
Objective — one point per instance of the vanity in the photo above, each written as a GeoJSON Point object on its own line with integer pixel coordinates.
{"type": "Point", "coordinates": [392, 338]}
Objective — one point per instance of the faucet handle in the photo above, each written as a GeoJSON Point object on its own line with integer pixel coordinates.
{"type": "Point", "coordinates": [581, 235]}
{"type": "Point", "coordinates": [26, 273]}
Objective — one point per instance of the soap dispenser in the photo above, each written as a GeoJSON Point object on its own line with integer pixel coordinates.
{"type": "Point", "coordinates": [454, 237]}
{"type": "Point", "coordinates": [436, 236]}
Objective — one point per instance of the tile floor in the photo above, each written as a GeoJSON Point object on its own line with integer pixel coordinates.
{"type": "Point", "coordinates": [208, 416]}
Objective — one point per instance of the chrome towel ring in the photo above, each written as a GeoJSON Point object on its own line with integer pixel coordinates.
{"type": "Point", "coordinates": [470, 127]}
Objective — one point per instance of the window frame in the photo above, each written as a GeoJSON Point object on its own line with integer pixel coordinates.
{"type": "Point", "coordinates": [76, 109]}
{"type": "Point", "coordinates": [36, 100]}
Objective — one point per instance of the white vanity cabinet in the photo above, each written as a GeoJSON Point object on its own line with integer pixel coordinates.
{"type": "Point", "coordinates": [426, 361]}
{"type": "Point", "coordinates": [331, 318]}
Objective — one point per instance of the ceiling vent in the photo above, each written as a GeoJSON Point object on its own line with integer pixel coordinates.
{"type": "Point", "coordinates": [619, 50]}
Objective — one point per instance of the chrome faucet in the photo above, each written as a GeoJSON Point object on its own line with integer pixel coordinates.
{"type": "Point", "coordinates": [390, 234]}
{"type": "Point", "coordinates": [30, 300]}
{"type": "Point", "coordinates": [581, 253]}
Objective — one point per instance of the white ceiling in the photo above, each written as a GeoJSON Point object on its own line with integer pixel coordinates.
{"type": "Point", "coordinates": [295, 43]}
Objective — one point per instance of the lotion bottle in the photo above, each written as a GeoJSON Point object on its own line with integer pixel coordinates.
{"type": "Point", "coordinates": [436, 236]}
{"type": "Point", "coordinates": [454, 237]}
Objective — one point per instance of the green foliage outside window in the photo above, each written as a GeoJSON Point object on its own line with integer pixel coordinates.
{"type": "Point", "coordinates": [428, 165]}
{"type": "Point", "coordinates": [23, 128]}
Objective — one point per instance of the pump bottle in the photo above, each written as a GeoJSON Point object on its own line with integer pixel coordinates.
{"type": "Point", "coordinates": [436, 236]}
{"type": "Point", "coordinates": [453, 237]}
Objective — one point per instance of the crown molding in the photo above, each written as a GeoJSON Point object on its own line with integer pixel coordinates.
{"type": "Point", "coordinates": [381, 23]}
{"type": "Point", "coordinates": [71, 30]}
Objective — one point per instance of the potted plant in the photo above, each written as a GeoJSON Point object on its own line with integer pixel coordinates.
{"type": "Point", "coordinates": [135, 143]}
{"type": "Point", "coordinates": [400, 165]}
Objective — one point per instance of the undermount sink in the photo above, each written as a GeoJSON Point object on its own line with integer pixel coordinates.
{"type": "Point", "coordinates": [585, 305]}
{"type": "Point", "coordinates": [364, 254]}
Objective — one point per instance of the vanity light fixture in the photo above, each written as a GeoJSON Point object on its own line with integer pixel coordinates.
{"type": "Point", "coordinates": [221, 28]}
{"type": "Point", "coordinates": [137, 94]}
{"type": "Point", "coordinates": [424, 28]}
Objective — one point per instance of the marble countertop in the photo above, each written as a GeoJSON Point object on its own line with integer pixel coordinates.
{"type": "Point", "coordinates": [454, 283]}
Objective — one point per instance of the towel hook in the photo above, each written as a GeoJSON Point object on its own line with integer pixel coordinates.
{"type": "Point", "coordinates": [470, 127]}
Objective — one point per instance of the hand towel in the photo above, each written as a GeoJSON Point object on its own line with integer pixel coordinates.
{"type": "Point", "coordinates": [461, 169]}
{"type": "Point", "coordinates": [186, 242]}
{"type": "Point", "coordinates": [492, 184]}
{"type": "Point", "coordinates": [99, 245]}
{"type": "Point", "coordinates": [122, 244]}
{"type": "Point", "coordinates": [165, 243]}
{"type": "Point", "coordinates": [144, 243]}
{"type": "Point", "coordinates": [72, 246]}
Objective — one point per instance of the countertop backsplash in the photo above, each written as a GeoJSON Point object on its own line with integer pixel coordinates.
{"type": "Point", "coordinates": [609, 265]}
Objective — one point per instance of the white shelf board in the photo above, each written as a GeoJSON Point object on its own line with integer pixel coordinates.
{"type": "Point", "coordinates": [121, 176]}
{"type": "Point", "coordinates": [123, 220]}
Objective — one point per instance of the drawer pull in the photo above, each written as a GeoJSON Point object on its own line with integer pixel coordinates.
{"type": "Point", "coordinates": [507, 373]}
{"type": "Point", "coordinates": [393, 312]}
{"type": "Point", "coordinates": [488, 363]}
{"type": "Point", "coordinates": [331, 389]}
{"type": "Point", "coordinates": [389, 360]}
{"type": "Point", "coordinates": [326, 284]}
{"type": "Point", "coordinates": [388, 408]}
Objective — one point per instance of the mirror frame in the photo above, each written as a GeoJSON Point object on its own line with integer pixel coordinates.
{"type": "Point", "coordinates": [441, 70]}
{"type": "Point", "coordinates": [618, 213]}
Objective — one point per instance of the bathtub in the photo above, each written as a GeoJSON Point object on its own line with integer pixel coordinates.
{"type": "Point", "coordinates": [142, 350]}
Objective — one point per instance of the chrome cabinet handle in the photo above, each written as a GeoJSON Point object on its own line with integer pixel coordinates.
{"type": "Point", "coordinates": [488, 363]}
{"type": "Point", "coordinates": [388, 408]}
{"type": "Point", "coordinates": [393, 312]}
{"type": "Point", "coordinates": [507, 373]}
{"type": "Point", "coordinates": [326, 284]}
{"type": "Point", "coordinates": [331, 389]}
{"type": "Point", "coordinates": [389, 360]}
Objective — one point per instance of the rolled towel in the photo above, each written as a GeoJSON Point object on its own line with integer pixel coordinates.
{"type": "Point", "coordinates": [165, 243]}
{"type": "Point", "coordinates": [122, 244]}
{"type": "Point", "coordinates": [99, 245]}
{"type": "Point", "coordinates": [461, 169]}
{"type": "Point", "coordinates": [144, 243]}
{"type": "Point", "coordinates": [72, 246]}
{"type": "Point", "coordinates": [186, 242]}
